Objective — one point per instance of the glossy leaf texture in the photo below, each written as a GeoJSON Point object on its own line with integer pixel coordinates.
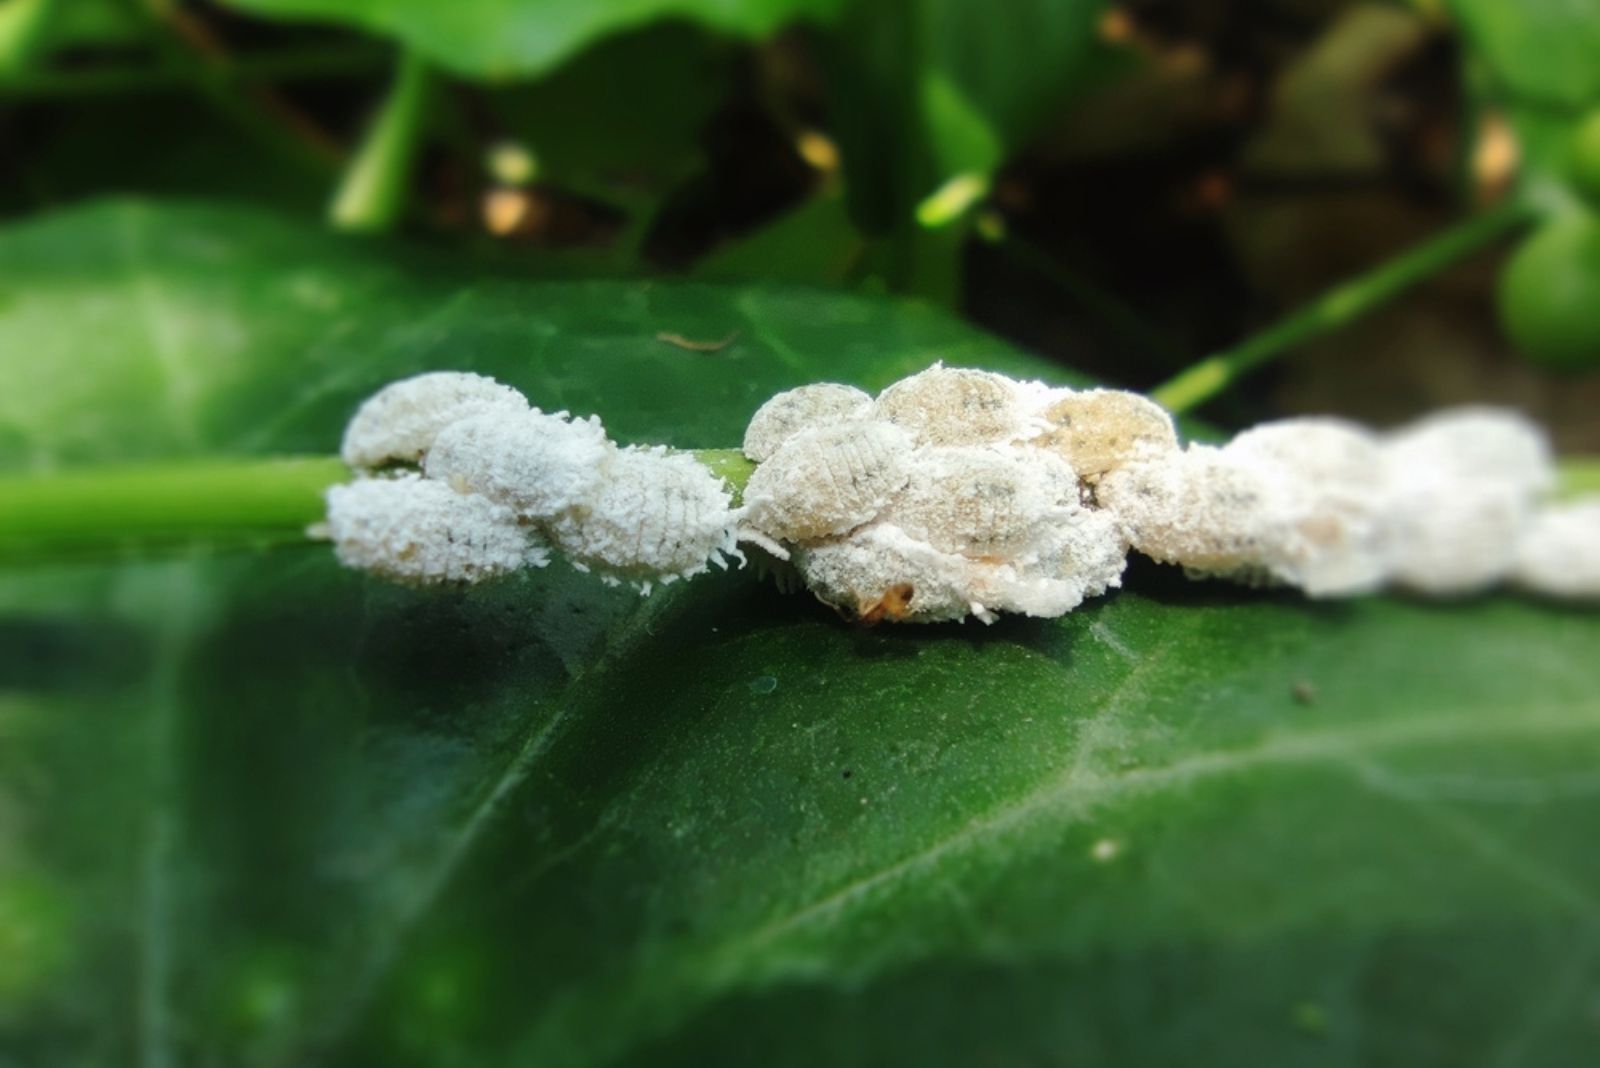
{"type": "Point", "coordinates": [258, 810]}
{"type": "Point", "coordinates": [514, 38]}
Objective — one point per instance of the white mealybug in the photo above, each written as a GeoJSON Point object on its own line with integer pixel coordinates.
{"type": "Point", "coordinates": [827, 480]}
{"type": "Point", "coordinates": [1460, 489]}
{"type": "Point", "coordinates": [951, 406]}
{"type": "Point", "coordinates": [1196, 509]}
{"type": "Point", "coordinates": [961, 493]}
{"type": "Point", "coordinates": [418, 531]}
{"type": "Point", "coordinates": [400, 421]}
{"type": "Point", "coordinates": [1559, 554]}
{"type": "Point", "coordinates": [987, 502]}
{"type": "Point", "coordinates": [1101, 430]}
{"type": "Point", "coordinates": [654, 516]}
{"type": "Point", "coordinates": [1326, 535]}
{"type": "Point", "coordinates": [805, 408]}
{"type": "Point", "coordinates": [536, 464]}
{"type": "Point", "coordinates": [881, 572]}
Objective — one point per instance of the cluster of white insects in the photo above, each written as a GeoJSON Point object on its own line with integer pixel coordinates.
{"type": "Point", "coordinates": [959, 493]}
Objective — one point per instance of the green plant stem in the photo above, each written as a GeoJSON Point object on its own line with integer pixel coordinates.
{"type": "Point", "coordinates": [373, 192]}
{"type": "Point", "coordinates": [1339, 306]}
{"type": "Point", "coordinates": [105, 511]}
{"type": "Point", "coordinates": [251, 502]}
{"type": "Point", "coordinates": [22, 27]}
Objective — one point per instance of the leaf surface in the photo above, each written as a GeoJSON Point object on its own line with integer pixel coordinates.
{"type": "Point", "coordinates": [262, 810]}
{"type": "Point", "coordinates": [509, 38]}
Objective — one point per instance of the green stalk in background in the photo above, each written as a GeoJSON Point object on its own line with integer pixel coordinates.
{"type": "Point", "coordinates": [373, 192]}
{"type": "Point", "coordinates": [1341, 305]}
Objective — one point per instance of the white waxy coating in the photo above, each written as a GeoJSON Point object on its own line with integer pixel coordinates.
{"type": "Point", "coordinates": [400, 421]}
{"type": "Point", "coordinates": [992, 501]}
{"type": "Point", "coordinates": [1100, 430]}
{"type": "Point", "coordinates": [1559, 555]}
{"type": "Point", "coordinates": [794, 410]}
{"type": "Point", "coordinates": [827, 480]}
{"type": "Point", "coordinates": [882, 572]}
{"type": "Point", "coordinates": [422, 532]}
{"type": "Point", "coordinates": [952, 406]}
{"type": "Point", "coordinates": [536, 464]}
{"type": "Point", "coordinates": [654, 515]}
{"type": "Point", "coordinates": [1195, 508]}
{"type": "Point", "coordinates": [1327, 534]}
{"type": "Point", "coordinates": [1460, 489]}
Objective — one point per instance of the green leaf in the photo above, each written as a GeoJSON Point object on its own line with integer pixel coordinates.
{"type": "Point", "coordinates": [1541, 50]}
{"type": "Point", "coordinates": [509, 38]}
{"type": "Point", "coordinates": [262, 810]}
{"type": "Point", "coordinates": [1536, 59]}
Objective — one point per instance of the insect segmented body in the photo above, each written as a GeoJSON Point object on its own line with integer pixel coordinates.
{"type": "Point", "coordinates": [827, 480]}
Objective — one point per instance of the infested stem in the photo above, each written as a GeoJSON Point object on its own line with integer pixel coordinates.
{"type": "Point", "coordinates": [248, 502]}
{"type": "Point", "coordinates": [1339, 306]}
{"type": "Point", "coordinates": [95, 513]}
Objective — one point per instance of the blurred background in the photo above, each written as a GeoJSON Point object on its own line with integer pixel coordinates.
{"type": "Point", "coordinates": [1124, 186]}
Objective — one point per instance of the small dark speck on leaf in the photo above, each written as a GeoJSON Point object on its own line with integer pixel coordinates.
{"type": "Point", "coordinates": [1304, 693]}
{"type": "Point", "coordinates": [847, 773]}
{"type": "Point", "coordinates": [763, 684]}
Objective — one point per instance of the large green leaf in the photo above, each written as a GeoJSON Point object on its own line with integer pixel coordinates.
{"type": "Point", "coordinates": [263, 810]}
{"type": "Point", "coordinates": [1542, 50]}
{"type": "Point", "coordinates": [504, 38]}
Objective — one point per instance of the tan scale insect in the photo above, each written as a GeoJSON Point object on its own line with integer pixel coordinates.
{"type": "Point", "coordinates": [1100, 430]}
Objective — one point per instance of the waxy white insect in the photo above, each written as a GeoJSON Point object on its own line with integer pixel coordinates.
{"type": "Point", "coordinates": [960, 493]}
{"type": "Point", "coordinates": [419, 531]}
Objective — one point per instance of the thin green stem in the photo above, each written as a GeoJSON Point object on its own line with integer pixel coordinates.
{"type": "Point", "coordinates": [101, 511]}
{"type": "Point", "coordinates": [22, 28]}
{"type": "Point", "coordinates": [1339, 306]}
{"type": "Point", "coordinates": [373, 192]}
